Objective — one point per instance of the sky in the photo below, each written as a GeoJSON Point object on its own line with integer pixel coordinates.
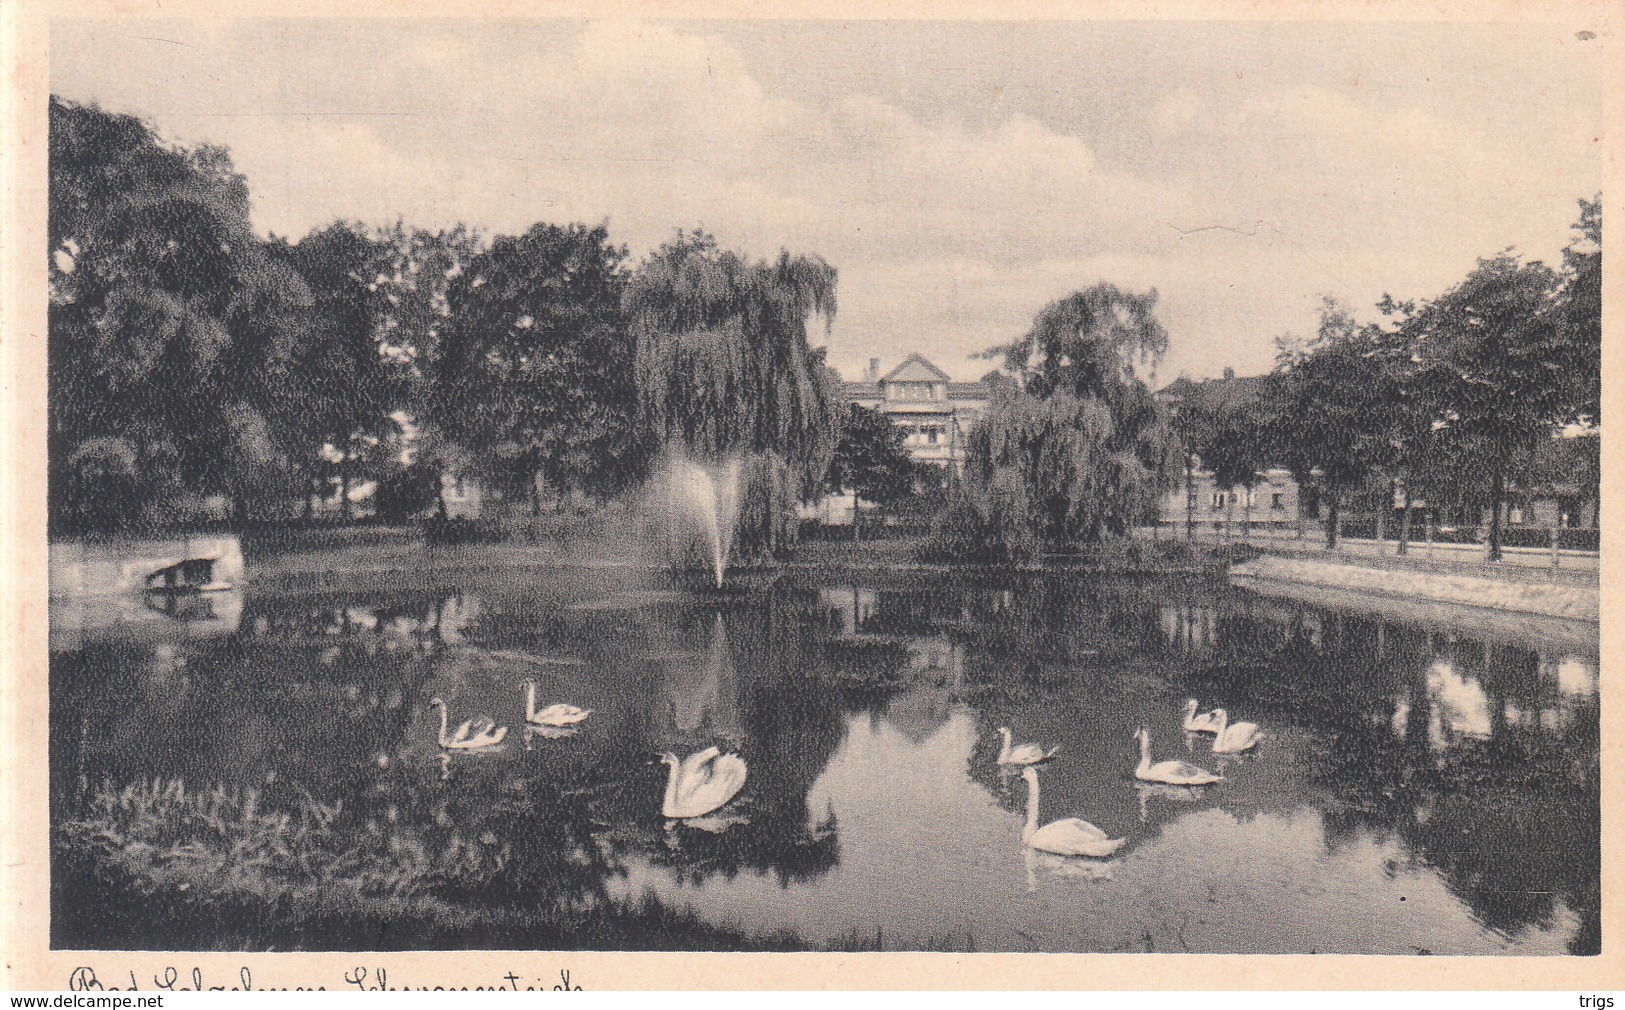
{"type": "Point", "coordinates": [958, 175]}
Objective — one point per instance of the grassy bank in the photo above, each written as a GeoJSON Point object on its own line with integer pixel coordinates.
{"type": "Point", "coordinates": [154, 866]}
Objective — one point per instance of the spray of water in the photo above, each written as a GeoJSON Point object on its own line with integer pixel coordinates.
{"type": "Point", "coordinates": [708, 498]}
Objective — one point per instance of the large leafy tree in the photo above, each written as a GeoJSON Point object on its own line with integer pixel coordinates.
{"type": "Point", "coordinates": [347, 385]}
{"type": "Point", "coordinates": [1081, 447]}
{"type": "Point", "coordinates": [1509, 358]}
{"type": "Point", "coordinates": [533, 375]}
{"type": "Point", "coordinates": [870, 461]}
{"type": "Point", "coordinates": [724, 367]}
{"type": "Point", "coordinates": [171, 328]}
{"type": "Point", "coordinates": [1580, 301]}
{"type": "Point", "coordinates": [1326, 397]}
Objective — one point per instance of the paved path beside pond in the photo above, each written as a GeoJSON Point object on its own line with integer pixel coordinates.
{"type": "Point", "coordinates": [1517, 563]}
{"type": "Point", "coordinates": [1523, 595]}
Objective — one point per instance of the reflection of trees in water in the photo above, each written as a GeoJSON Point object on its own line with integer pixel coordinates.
{"type": "Point", "coordinates": [1481, 759]}
{"type": "Point", "coordinates": [771, 696]}
{"type": "Point", "coordinates": [1508, 815]}
{"type": "Point", "coordinates": [311, 686]}
{"type": "Point", "coordinates": [1471, 753]}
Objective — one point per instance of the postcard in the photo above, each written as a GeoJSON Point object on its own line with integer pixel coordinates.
{"type": "Point", "coordinates": [781, 498]}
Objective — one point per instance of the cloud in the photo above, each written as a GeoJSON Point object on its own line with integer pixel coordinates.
{"type": "Point", "coordinates": [952, 224]}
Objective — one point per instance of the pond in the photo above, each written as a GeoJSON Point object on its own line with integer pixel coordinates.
{"type": "Point", "coordinates": [1420, 787]}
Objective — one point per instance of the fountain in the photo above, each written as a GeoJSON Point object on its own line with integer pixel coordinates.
{"type": "Point", "coordinates": [709, 498]}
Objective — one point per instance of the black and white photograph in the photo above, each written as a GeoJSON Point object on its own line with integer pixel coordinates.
{"type": "Point", "coordinates": [845, 486]}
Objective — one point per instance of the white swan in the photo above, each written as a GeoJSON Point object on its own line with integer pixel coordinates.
{"type": "Point", "coordinates": [701, 782]}
{"type": "Point", "coordinates": [1069, 836]}
{"type": "Point", "coordinates": [1233, 738]}
{"type": "Point", "coordinates": [553, 715]}
{"type": "Point", "coordinates": [1174, 773]}
{"type": "Point", "coordinates": [1024, 753]}
{"type": "Point", "coordinates": [1204, 723]}
{"type": "Point", "coordinates": [468, 736]}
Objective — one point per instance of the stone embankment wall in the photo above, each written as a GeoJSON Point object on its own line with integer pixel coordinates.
{"type": "Point", "coordinates": [1579, 603]}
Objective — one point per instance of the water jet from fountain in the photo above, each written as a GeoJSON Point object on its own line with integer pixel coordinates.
{"type": "Point", "coordinates": [707, 499]}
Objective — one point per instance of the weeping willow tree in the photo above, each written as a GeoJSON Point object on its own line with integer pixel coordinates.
{"type": "Point", "coordinates": [1077, 449]}
{"type": "Point", "coordinates": [724, 369]}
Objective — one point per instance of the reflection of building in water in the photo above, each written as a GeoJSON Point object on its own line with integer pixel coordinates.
{"type": "Point", "coordinates": [1473, 691]}
{"type": "Point", "coordinates": [1189, 627]}
{"type": "Point", "coordinates": [936, 654]}
{"type": "Point", "coordinates": [402, 622]}
{"type": "Point", "coordinates": [1574, 679]}
{"type": "Point", "coordinates": [850, 607]}
{"type": "Point", "coordinates": [919, 712]}
{"type": "Point", "coordinates": [80, 621]}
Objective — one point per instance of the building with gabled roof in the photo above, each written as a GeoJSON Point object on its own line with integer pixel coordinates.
{"type": "Point", "coordinates": [935, 412]}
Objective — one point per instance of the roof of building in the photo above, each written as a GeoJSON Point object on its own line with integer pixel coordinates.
{"type": "Point", "coordinates": [1214, 395]}
{"type": "Point", "coordinates": [915, 369]}
{"type": "Point", "coordinates": [957, 391]}
{"type": "Point", "coordinates": [969, 390]}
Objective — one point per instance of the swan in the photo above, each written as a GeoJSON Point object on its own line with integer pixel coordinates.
{"type": "Point", "coordinates": [552, 715]}
{"type": "Point", "coordinates": [1203, 723]}
{"type": "Point", "coordinates": [1174, 773]}
{"type": "Point", "coordinates": [469, 736]}
{"type": "Point", "coordinates": [1069, 836]}
{"type": "Point", "coordinates": [701, 782]}
{"type": "Point", "coordinates": [1233, 738]}
{"type": "Point", "coordinates": [1024, 753]}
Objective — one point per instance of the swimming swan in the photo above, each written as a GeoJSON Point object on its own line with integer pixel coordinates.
{"type": "Point", "coordinates": [701, 782]}
{"type": "Point", "coordinates": [1023, 754]}
{"type": "Point", "coordinates": [552, 715]}
{"type": "Point", "coordinates": [1174, 773]}
{"type": "Point", "coordinates": [468, 735]}
{"type": "Point", "coordinates": [1204, 723]}
{"type": "Point", "coordinates": [1067, 837]}
{"type": "Point", "coordinates": [1233, 738]}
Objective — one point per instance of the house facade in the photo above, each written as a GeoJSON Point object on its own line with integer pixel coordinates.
{"type": "Point", "coordinates": [1274, 501]}
{"type": "Point", "coordinates": [934, 412]}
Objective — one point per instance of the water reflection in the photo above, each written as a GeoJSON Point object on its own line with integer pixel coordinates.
{"type": "Point", "coordinates": [1418, 788]}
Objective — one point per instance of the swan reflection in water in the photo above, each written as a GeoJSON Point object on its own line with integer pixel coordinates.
{"type": "Point", "coordinates": [1058, 844]}
{"type": "Point", "coordinates": [549, 733]}
{"type": "Point", "coordinates": [701, 783]}
{"type": "Point", "coordinates": [1158, 790]}
{"type": "Point", "coordinates": [1062, 867]}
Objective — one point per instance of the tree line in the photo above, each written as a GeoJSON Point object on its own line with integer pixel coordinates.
{"type": "Point", "coordinates": [1450, 401]}
{"type": "Point", "coordinates": [191, 360]}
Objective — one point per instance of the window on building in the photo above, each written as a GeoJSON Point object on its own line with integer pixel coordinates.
{"type": "Point", "coordinates": [1275, 500]}
{"type": "Point", "coordinates": [932, 433]}
{"type": "Point", "coordinates": [1218, 500]}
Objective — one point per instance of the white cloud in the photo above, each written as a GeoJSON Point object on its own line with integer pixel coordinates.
{"type": "Point", "coordinates": [951, 229]}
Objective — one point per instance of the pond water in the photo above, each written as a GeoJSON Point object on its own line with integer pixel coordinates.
{"type": "Point", "coordinates": [1420, 788]}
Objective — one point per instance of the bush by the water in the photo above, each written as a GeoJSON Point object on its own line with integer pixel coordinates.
{"type": "Point", "coordinates": [264, 868]}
